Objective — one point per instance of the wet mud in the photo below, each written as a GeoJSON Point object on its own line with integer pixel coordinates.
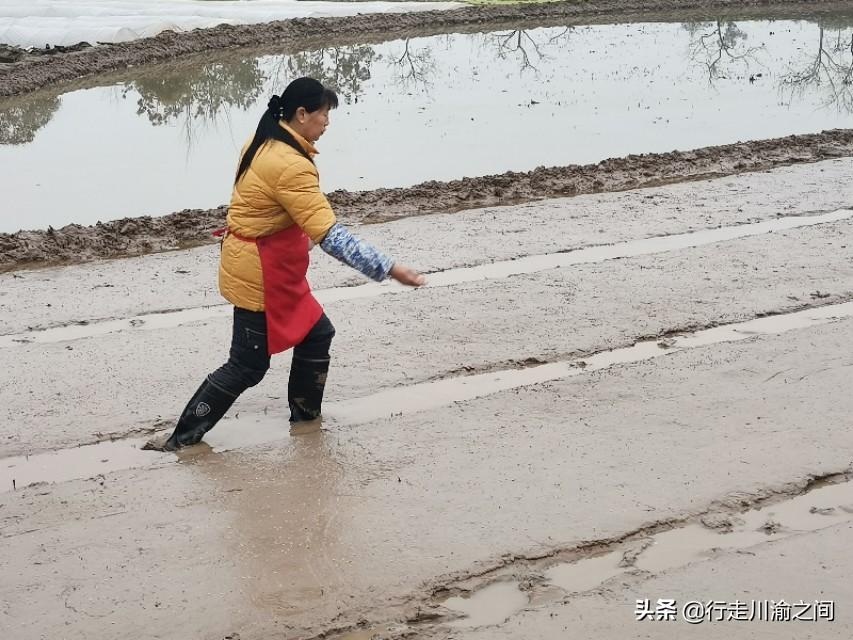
{"type": "Point", "coordinates": [497, 270]}
{"type": "Point", "coordinates": [193, 227]}
{"type": "Point", "coordinates": [495, 598]}
{"type": "Point", "coordinates": [493, 466]}
{"type": "Point", "coordinates": [383, 522]}
{"type": "Point", "coordinates": [348, 528]}
{"type": "Point", "coordinates": [111, 391]}
{"type": "Point", "coordinates": [38, 70]}
{"type": "Point", "coordinates": [105, 296]}
{"type": "Point", "coordinates": [119, 453]}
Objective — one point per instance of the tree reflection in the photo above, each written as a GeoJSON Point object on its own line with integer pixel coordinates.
{"type": "Point", "coordinates": [22, 118]}
{"type": "Point", "coordinates": [716, 45]}
{"type": "Point", "coordinates": [827, 71]}
{"type": "Point", "coordinates": [198, 93]}
{"type": "Point", "coordinates": [343, 68]}
{"type": "Point", "coordinates": [529, 47]}
{"type": "Point", "coordinates": [414, 68]}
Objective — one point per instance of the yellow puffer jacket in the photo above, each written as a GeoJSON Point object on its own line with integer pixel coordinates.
{"type": "Point", "coordinates": [281, 187]}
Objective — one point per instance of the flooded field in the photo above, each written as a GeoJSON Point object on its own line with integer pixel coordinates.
{"type": "Point", "coordinates": [427, 109]}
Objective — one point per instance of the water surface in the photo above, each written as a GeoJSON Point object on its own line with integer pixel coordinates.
{"type": "Point", "coordinates": [443, 107]}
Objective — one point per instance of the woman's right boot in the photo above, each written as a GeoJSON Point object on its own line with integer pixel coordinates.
{"type": "Point", "coordinates": [305, 387]}
{"type": "Point", "coordinates": [203, 411]}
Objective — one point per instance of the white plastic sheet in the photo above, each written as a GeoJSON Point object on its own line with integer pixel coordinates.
{"type": "Point", "coordinates": [36, 23]}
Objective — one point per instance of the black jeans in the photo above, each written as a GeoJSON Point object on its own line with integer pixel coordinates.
{"type": "Point", "coordinates": [249, 360]}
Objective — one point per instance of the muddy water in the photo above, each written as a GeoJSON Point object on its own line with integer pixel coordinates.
{"type": "Point", "coordinates": [825, 506]}
{"type": "Point", "coordinates": [813, 511]}
{"type": "Point", "coordinates": [488, 606]}
{"type": "Point", "coordinates": [470, 104]}
{"type": "Point", "coordinates": [92, 460]}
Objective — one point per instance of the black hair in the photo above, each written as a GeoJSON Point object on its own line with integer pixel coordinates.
{"type": "Point", "coordinates": [302, 92]}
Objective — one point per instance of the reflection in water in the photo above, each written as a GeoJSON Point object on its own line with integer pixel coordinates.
{"type": "Point", "coordinates": [344, 68]}
{"type": "Point", "coordinates": [527, 46]}
{"type": "Point", "coordinates": [21, 120]}
{"type": "Point", "coordinates": [203, 94]}
{"type": "Point", "coordinates": [718, 45]}
{"type": "Point", "coordinates": [192, 96]}
{"type": "Point", "coordinates": [827, 71]}
{"type": "Point", "coordinates": [415, 66]}
{"type": "Point", "coordinates": [721, 47]}
{"type": "Point", "coordinates": [596, 92]}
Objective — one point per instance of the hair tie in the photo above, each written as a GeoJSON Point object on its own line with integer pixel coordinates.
{"type": "Point", "coordinates": [276, 107]}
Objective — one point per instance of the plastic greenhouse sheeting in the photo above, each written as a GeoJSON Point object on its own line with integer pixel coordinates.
{"type": "Point", "coordinates": [37, 23]}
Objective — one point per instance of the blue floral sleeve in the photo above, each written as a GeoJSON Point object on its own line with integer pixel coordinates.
{"type": "Point", "coordinates": [340, 243]}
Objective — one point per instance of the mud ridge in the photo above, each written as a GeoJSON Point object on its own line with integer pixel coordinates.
{"type": "Point", "coordinates": [23, 74]}
{"type": "Point", "coordinates": [423, 608]}
{"type": "Point", "coordinates": [127, 237]}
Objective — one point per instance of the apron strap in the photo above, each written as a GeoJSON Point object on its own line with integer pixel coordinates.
{"type": "Point", "coordinates": [225, 232]}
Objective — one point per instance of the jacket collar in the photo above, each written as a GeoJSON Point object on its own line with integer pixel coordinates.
{"type": "Point", "coordinates": [309, 148]}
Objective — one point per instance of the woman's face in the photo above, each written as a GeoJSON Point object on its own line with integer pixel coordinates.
{"type": "Point", "coordinates": [311, 125]}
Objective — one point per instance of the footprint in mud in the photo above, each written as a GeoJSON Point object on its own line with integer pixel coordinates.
{"type": "Point", "coordinates": [770, 527]}
{"type": "Point", "coordinates": [721, 522]}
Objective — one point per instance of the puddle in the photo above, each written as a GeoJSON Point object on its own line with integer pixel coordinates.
{"type": "Point", "coordinates": [105, 457]}
{"type": "Point", "coordinates": [469, 104]}
{"type": "Point", "coordinates": [235, 433]}
{"type": "Point", "coordinates": [817, 509]}
{"type": "Point", "coordinates": [825, 506]}
{"type": "Point", "coordinates": [493, 271]}
{"type": "Point", "coordinates": [586, 574]}
{"type": "Point", "coordinates": [145, 322]}
{"type": "Point", "coordinates": [488, 606]}
{"type": "Point", "coordinates": [81, 462]}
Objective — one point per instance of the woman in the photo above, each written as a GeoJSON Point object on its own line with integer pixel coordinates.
{"type": "Point", "coordinates": [277, 211]}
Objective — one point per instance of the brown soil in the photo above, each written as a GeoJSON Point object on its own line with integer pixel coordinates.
{"type": "Point", "coordinates": [192, 227]}
{"type": "Point", "coordinates": [19, 75]}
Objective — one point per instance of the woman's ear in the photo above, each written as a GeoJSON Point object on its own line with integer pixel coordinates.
{"type": "Point", "coordinates": [301, 113]}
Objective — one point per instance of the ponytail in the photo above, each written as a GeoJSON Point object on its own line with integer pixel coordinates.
{"type": "Point", "coordinates": [302, 92]}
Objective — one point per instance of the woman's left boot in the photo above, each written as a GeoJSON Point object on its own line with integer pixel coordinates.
{"type": "Point", "coordinates": [203, 411]}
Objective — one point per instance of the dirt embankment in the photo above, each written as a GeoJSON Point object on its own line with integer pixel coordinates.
{"type": "Point", "coordinates": [192, 227]}
{"type": "Point", "coordinates": [23, 74]}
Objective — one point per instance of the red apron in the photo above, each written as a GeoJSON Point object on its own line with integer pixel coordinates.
{"type": "Point", "coordinates": [291, 310]}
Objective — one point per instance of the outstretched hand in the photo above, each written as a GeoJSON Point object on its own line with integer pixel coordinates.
{"type": "Point", "coordinates": [407, 276]}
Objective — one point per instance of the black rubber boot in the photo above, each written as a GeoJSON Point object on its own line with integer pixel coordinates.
{"type": "Point", "coordinates": [305, 387]}
{"type": "Point", "coordinates": [203, 411]}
